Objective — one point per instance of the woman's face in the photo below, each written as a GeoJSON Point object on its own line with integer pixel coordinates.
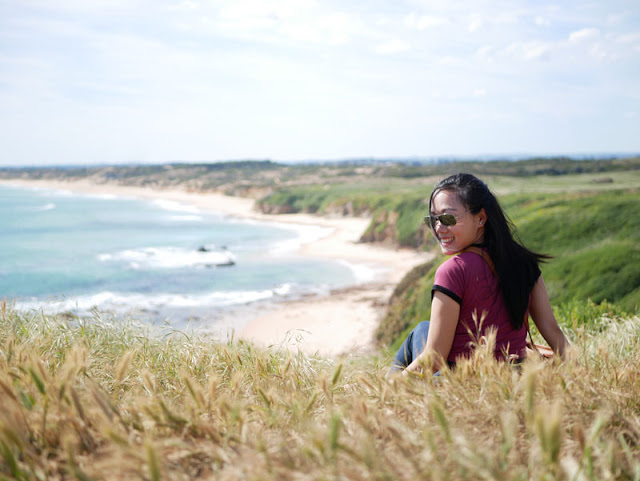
{"type": "Point", "coordinates": [469, 228]}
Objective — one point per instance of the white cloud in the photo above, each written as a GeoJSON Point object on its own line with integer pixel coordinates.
{"type": "Point", "coordinates": [75, 6]}
{"type": "Point", "coordinates": [610, 46]}
{"type": "Point", "coordinates": [616, 18]}
{"type": "Point", "coordinates": [505, 18]}
{"type": "Point", "coordinates": [185, 5]}
{"type": "Point", "coordinates": [285, 22]}
{"type": "Point", "coordinates": [584, 35]}
{"type": "Point", "coordinates": [476, 22]}
{"type": "Point", "coordinates": [380, 20]}
{"type": "Point", "coordinates": [272, 10]}
{"type": "Point", "coordinates": [449, 60]}
{"type": "Point", "coordinates": [338, 28]}
{"type": "Point", "coordinates": [423, 22]}
{"type": "Point", "coordinates": [600, 53]}
{"type": "Point", "coordinates": [536, 50]}
{"type": "Point", "coordinates": [529, 50]}
{"type": "Point", "coordinates": [542, 21]}
{"type": "Point", "coordinates": [393, 46]}
{"type": "Point", "coordinates": [628, 37]}
{"type": "Point", "coordinates": [485, 53]}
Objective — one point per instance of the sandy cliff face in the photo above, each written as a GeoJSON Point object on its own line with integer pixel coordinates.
{"type": "Point", "coordinates": [275, 209]}
{"type": "Point", "coordinates": [383, 228]}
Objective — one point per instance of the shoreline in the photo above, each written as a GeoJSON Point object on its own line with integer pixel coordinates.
{"type": "Point", "coordinates": [342, 322]}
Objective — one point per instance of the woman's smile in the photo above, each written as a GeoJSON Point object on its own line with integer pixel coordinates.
{"type": "Point", "coordinates": [445, 240]}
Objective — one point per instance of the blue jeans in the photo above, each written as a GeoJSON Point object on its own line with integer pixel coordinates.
{"type": "Point", "coordinates": [412, 347]}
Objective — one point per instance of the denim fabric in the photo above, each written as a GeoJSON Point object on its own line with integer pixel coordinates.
{"type": "Point", "coordinates": [412, 347]}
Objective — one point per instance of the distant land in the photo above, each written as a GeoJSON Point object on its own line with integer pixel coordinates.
{"type": "Point", "coordinates": [366, 160]}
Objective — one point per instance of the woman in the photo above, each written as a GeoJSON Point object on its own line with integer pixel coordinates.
{"type": "Point", "coordinates": [493, 282]}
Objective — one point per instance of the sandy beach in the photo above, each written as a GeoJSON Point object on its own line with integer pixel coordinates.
{"type": "Point", "coordinates": [342, 323]}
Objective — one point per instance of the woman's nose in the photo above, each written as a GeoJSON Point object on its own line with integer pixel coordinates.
{"type": "Point", "coordinates": [440, 227]}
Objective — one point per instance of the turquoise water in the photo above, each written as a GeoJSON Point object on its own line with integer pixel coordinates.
{"type": "Point", "coordinates": [160, 260]}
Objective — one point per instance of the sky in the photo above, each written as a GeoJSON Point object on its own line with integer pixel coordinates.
{"type": "Point", "coordinates": [154, 81]}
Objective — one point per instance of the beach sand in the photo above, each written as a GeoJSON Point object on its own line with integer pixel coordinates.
{"type": "Point", "coordinates": [338, 324]}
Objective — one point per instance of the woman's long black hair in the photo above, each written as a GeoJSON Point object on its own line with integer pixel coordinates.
{"type": "Point", "coordinates": [516, 266]}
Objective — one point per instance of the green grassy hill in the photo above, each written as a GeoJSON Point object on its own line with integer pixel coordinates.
{"type": "Point", "coordinates": [595, 239]}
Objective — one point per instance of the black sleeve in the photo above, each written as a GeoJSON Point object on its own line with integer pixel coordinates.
{"type": "Point", "coordinates": [446, 292]}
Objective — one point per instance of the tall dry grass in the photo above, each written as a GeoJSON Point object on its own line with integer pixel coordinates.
{"type": "Point", "coordinates": [104, 399]}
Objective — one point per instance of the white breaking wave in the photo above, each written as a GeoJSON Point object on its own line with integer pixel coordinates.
{"type": "Point", "coordinates": [108, 196]}
{"type": "Point", "coordinates": [186, 218]}
{"type": "Point", "coordinates": [88, 195]}
{"type": "Point", "coordinates": [46, 192]}
{"type": "Point", "coordinates": [45, 207]}
{"type": "Point", "coordinates": [169, 258]}
{"type": "Point", "coordinates": [364, 272]}
{"type": "Point", "coordinates": [122, 302]}
{"type": "Point", "coordinates": [174, 206]}
{"type": "Point", "coordinates": [305, 234]}
{"type": "Point", "coordinates": [283, 290]}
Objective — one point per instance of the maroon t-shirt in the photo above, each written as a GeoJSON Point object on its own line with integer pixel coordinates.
{"type": "Point", "coordinates": [469, 281]}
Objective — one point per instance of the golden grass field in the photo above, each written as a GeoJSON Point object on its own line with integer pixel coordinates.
{"type": "Point", "coordinates": [107, 399]}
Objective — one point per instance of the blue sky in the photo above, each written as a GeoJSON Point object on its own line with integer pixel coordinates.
{"type": "Point", "coordinates": [118, 81]}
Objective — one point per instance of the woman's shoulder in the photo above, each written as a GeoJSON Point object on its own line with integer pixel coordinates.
{"type": "Point", "coordinates": [465, 259]}
{"type": "Point", "coordinates": [462, 262]}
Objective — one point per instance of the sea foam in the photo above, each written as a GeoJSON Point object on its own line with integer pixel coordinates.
{"type": "Point", "coordinates": [174, 206]}
{"type": "Point", "coordinates": [122, 302]}
{"type": "Point", "coordinates": [305, 234]}
{"type": "Point", "coordinates": [364, 272]}
{"type": "Point", "coordinates": [169, 258]}
{"type": "Point", "coordinates": [44, 208]}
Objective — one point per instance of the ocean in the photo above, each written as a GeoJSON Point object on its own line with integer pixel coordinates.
{"type": "Point", "coordinates": [152, 260]}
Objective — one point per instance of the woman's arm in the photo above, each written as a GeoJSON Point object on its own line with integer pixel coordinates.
{"type": "Point", "coordinates": [542, 314]}
{"type": "Point", "coordinates": [444, 319]}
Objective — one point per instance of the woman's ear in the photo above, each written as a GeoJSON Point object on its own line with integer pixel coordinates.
{"type": "Point", "coordinates": [482, 217]}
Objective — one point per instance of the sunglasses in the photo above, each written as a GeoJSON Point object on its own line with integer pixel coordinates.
{"type": "Point", "coordinates": [444, 219]}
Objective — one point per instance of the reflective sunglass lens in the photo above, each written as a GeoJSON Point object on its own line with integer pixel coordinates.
{"type": "Point", "coordinates": [444, 219]}
{"type": "Point", "coordinates": [447, 219]}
